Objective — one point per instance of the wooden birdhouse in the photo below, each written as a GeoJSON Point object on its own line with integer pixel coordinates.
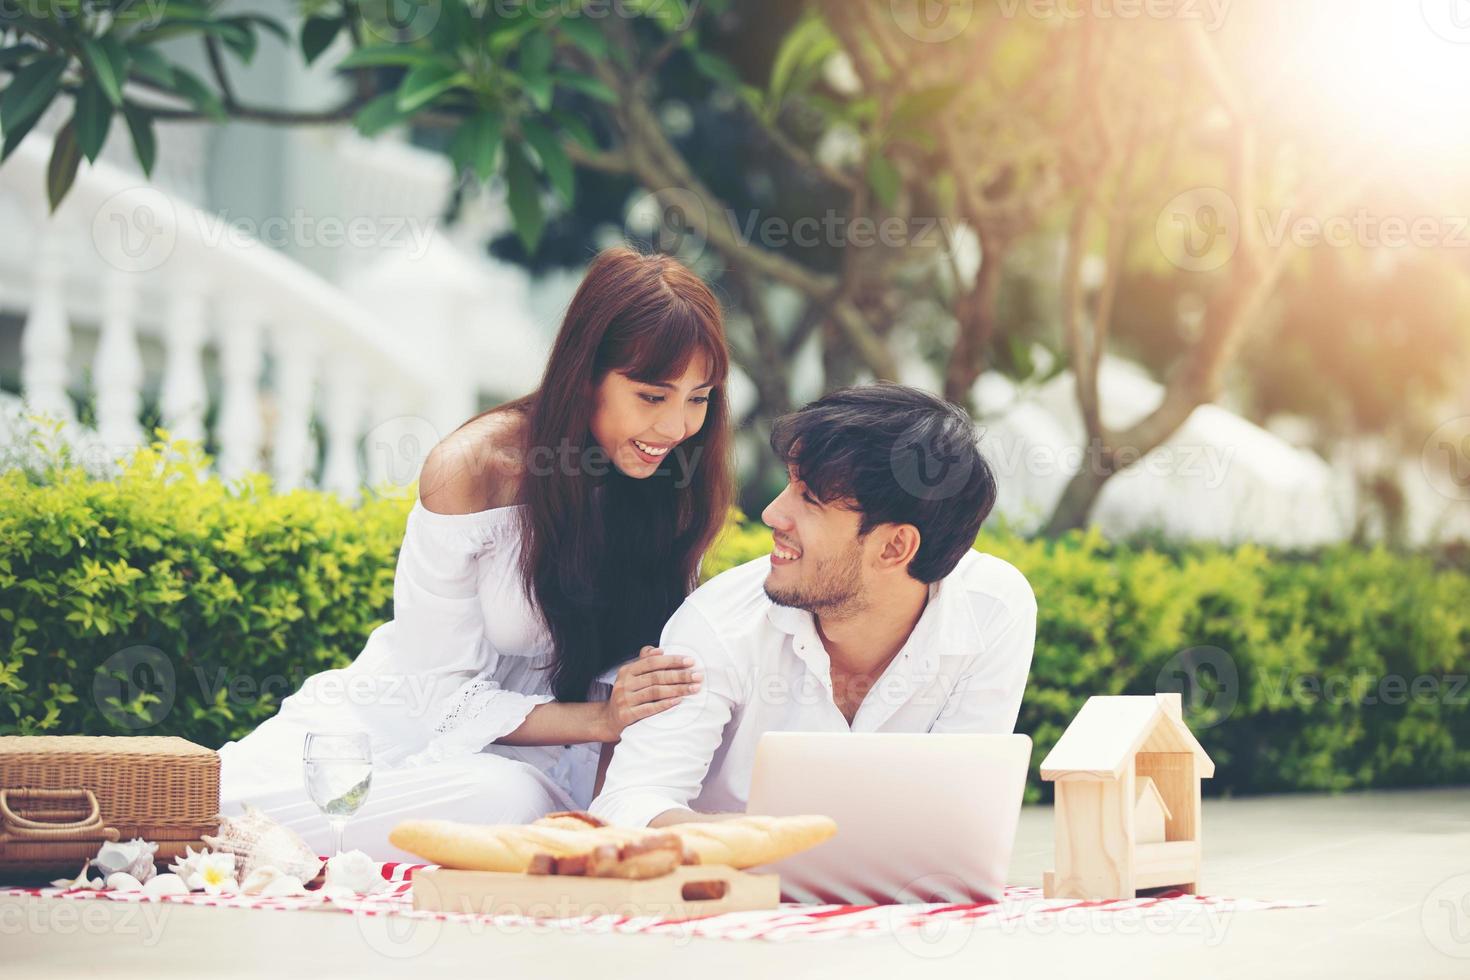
{"type": "Point", "coordinates": [1127, 773]}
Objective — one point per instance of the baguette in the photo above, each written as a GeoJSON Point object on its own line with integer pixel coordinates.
{"type": "Point", "coordinates": [749, 841]}
{"type": "Point", "coordinates": [564, 843]}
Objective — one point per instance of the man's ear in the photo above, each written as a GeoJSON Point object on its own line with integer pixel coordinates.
{"type": "Point", "coordinates": [899, 545]}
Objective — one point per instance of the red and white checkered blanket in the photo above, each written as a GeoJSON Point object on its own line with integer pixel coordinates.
{"type": "Point", "coordinates": [929, 927]}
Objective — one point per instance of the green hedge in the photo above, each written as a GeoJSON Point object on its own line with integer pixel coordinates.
{"type": "Point", "coordinates": [1348, 664]}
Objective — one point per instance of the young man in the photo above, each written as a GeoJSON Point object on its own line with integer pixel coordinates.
{"type": "Point", "coordinates": [871, 614]}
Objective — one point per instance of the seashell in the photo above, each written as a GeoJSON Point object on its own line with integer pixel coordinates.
{"type": "Point", "coordinates": [257, 841]}
{"type": "Point", "coordinates": [257, 880]}
{"type": "Point", "coordinates": [135, 857]}
{"type": "Point", "coordinates": [80, 881]}
{"type": "Point", "coordinates": [284, 885]}
{"type": "Point", "coordinates": [356, 872]}
{"type": "Point", "coordinates": [165, 884]}
{"type": "Point", "coordinates": [121, 881]}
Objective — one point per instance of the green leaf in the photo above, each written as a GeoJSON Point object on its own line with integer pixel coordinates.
{"type": "Point", "coordinates": [715, 68]}
{"type": "Point", "coordinates": [524, 196]}
{"type": "Point", "coordinates": [17, 53]}
{"type": "Point", "coordinates": [107, 61]}
{"type": "Point", "coordinates": [92, 118]}
{"type": "Point", "coordinates": [269, 23]}
{"type": "Point", "coordinates": [554, 159]}
{"type": "Point", "coordinates": [426, 82]}
{"type": "Point", "coordinates": [585, 84]}
{"type": "Point", "coordinates": [29, 93]}
{"type": "Point", "coordinates": [536, 55]}
{"type": "Point", "coordinates": [576, 129]}
{"type": "Point", "coordinates": [379, 114]}
{"type": "Point", "coordinates": [191, 87]}
{"type": "Point", "coordinates": [151, 65]}
{"type": "Point", "coordinates": [539, 89]}
{"type": "Point", "coordinates": [145, 144]}
{"type": "Point", "coordinates": [884, 179]}
{"type": "Point", "coordinates": [317, 34]}
{"type": "Point", "coordinates": [476, 144]}
{"type": "Point", "coordinates": [917, 108]}
{"type": "Point", "coordinates": [585, 34]}
{"type": "Point", "coordinates": [535, 69]}
{"type": "Point", "coordinates": [66, 155]}
{"type": "Point", "coordinates": [799, 58]}
{"type": "Point", "coordinates": [235, 32]}
{"type": "Point", "coordinates": [375, 55]}
{"type": "Point", "coordinates": [671, 15]}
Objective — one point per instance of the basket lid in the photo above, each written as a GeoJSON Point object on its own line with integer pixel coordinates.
{"type": "Point", "coordinates": [138, 745]}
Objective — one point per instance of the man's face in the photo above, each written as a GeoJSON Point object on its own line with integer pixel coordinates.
{"type": "Point", "coordinates": [817, 561]}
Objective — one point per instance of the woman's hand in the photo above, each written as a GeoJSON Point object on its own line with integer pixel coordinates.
{"type": "Point", "coordinates": [654, 682]}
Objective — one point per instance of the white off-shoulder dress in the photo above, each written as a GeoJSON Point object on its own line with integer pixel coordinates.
{"type": "Point", "coordinates": [462, 662]}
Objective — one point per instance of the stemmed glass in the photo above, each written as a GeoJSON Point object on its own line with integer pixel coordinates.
{"type": "Point", "coordinates": [339, 770]}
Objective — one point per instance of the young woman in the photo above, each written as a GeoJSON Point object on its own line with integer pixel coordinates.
{"type": "Point", "coordinates": [552, 538]}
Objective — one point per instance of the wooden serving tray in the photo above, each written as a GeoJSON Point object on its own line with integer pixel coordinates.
{"type": "Point", "coordinates": [674, 895]}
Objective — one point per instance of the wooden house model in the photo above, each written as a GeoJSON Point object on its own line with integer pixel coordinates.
{"type": "Point", "coordinates": [1127, 772]}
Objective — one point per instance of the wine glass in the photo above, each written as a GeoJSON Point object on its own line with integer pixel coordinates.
{"type": "Point", "coordinates": [339, 770]}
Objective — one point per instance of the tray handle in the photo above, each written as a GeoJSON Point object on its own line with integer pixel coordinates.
{"type": "Point", "coordinates": [14, 827]}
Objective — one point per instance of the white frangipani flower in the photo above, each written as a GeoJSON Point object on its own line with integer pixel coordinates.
{"type": "Point", "coordinates": [215, 874]}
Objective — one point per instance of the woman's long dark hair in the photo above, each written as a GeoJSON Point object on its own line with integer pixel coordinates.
{"type": "Point", "coordinates": [608, 570]}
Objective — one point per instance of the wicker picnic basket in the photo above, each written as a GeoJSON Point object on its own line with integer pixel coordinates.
{"type": "Point", "coordinates": [61, 796]}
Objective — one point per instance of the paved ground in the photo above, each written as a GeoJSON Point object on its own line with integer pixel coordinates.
{"type": "Point", "coordinates": [1393, 869]}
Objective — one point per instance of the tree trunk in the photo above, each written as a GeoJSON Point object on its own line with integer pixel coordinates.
{"type": "Point", "coordinates": [1076, 503]}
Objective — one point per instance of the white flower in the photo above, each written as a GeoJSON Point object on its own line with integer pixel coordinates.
{"type": "Point", "coordinates": [215, 874]}
{"type": "Point", "coordinates": [188, 865]}
{"type": "Point", "coordinates": [134, 857]}
{"type": "Point", "coordinates": [355, 871]}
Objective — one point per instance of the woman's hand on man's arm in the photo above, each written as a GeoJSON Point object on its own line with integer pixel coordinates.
{"type": "Point", "coordinates": [644, 687]}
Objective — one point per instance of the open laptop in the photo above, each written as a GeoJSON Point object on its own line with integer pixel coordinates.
{"type": "Point", "coordinates": [920, 817]}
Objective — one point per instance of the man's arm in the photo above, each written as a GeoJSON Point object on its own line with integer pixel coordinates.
{"type": "Point", "coordinates": [987, 698]}
{"type": "Point", "coordinates": [660, 762]}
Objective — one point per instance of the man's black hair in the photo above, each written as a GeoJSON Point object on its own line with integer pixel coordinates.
{"type": "Point", "coordinates": [898, 455]}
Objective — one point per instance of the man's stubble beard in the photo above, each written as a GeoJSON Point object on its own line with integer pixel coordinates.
{"type": "Point", "coordinates": [837, 587]}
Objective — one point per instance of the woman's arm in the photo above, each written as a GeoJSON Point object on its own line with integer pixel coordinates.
{"type": "Point", "coordinates": [645, 686]}
{"type": "Point", "coordinates": [561, 723]}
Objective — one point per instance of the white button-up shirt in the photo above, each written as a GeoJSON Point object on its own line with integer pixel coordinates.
{"type": "Point", "coordinates": [962, 669]}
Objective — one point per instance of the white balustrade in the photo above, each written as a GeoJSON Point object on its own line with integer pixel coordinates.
{"type": "Point", "coordinates": [117, 370]}
{"type": "Point", "coordinates": [123, 260]}
{"type": "Point", "coordinates": [46, 342]}
{"type": "Point", "coordinates": [240, 428]}
{"type": "Point", "coordinates": [343, 421]}
{"type": "Point", "coordinates": [184, 397]}
{"type": "Point", "coordinates": [293, 453]}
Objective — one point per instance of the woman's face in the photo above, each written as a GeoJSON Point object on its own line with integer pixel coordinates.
{"type": "Point", "coordinates": [638, 423]}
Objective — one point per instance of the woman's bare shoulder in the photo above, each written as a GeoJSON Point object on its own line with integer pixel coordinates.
{"type": "Point", "coordinates": [477, 467]}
